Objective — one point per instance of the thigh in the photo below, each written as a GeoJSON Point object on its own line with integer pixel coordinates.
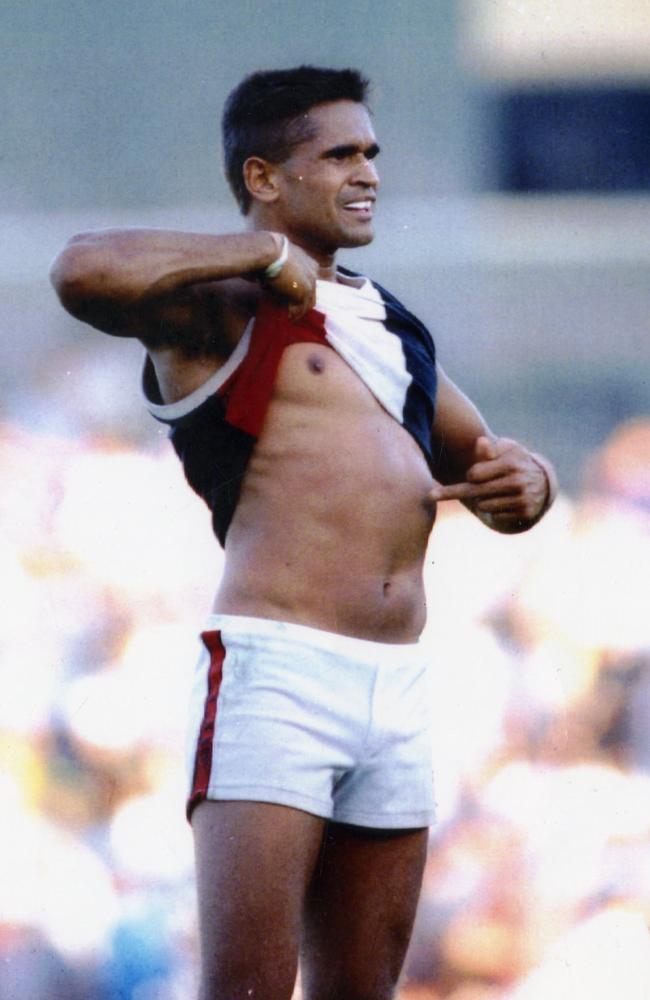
{"type": "Point", "coordinates": [360, 910]}
{"type": "Point", "coordinates": [253, 864]}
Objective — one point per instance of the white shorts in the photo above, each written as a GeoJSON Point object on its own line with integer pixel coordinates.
{"type": "Point", "coordinates": [329, 724]}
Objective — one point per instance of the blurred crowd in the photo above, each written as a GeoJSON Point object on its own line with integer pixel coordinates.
{"type": "Point", "coordinates": [538, 880]}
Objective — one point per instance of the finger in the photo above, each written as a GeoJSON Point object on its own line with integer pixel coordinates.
{"type": "Point", "coordinates": [299, 309]}
{"type": "Point", "coordinates": [311, 297]}
{"type": "Point", "coordinates": [508, 522]}
{"type": "Point", "coordinates": [505, 458]}
{"type": "Point", "coordinates": [297, 312]}
{"type": "Point", "coordinates": [485, 449]}
{"type": "Point", "coordinates": [482, 472]}
{"type": "Point", "coordinates": [522, 506]}
{"type": "Point", "coordinates": [457, 491]}
{"type": "Point", "coordinates": [499, 505]}
{"type": "Point", "coordinates": [494, 488]}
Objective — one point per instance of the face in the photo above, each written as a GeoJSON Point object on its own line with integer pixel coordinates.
{"type": "Point", "coordinates": [327, 187]}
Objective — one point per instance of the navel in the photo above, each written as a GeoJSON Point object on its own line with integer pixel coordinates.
{"type": "Point", "coordinates": [315, 364]}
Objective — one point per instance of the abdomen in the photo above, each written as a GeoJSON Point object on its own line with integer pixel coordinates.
{"type": "Point", "coordinates": [332, 524]}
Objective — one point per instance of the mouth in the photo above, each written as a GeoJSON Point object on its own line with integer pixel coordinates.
{"type": "Point", "coordinates": [363, 206]}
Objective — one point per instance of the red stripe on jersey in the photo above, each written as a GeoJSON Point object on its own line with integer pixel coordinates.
{"type": "Point", "coordinates": [205, 742]}
{"type": "Point", "coordinates": [249, 389]}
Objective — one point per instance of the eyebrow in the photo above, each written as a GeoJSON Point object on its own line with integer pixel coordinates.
{"type": "Point", "coordinates": [351, 149]}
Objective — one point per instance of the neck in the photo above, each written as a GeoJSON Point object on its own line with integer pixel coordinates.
{"type": "Point", "coordinates": [327, 270]}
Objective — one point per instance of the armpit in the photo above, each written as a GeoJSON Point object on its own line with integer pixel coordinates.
{"type": "Point", "coordinates": [174, 386]}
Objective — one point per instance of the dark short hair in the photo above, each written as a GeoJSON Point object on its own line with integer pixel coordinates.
{"type": "Point", "coordinates": [264, 115]}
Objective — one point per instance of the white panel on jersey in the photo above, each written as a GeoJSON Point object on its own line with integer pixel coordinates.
{"type": "Point", "coordinates": [354, 324]}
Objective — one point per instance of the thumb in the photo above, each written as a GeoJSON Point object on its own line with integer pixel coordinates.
{"type": "Point", "coordinates": [484, 449]}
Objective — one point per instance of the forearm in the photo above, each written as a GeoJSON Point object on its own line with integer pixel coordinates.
{"type": "Point", "coordinates": [107, 273]}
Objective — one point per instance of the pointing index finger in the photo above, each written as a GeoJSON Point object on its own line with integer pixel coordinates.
{"type": "Point", "coordinates": [456, 491]}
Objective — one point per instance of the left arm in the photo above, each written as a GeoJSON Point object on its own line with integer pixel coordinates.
{"type": "Point", "coordinates": [506, 486]}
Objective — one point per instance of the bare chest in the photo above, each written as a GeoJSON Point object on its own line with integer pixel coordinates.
{"type": "Point", "coordinates": [314, 376]}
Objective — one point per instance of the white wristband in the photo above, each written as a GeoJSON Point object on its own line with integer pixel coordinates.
{"type": "Point", "coordinates": [274, 268]}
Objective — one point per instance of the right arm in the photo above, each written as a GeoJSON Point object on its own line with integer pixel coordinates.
{"type": "Point", "coordinates": [157, 284]}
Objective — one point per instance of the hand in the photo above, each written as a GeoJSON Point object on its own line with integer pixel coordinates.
{"type": "Point", "coordinates": [296, 282]}
{"type": "Point", "coordinates": [505, 483]}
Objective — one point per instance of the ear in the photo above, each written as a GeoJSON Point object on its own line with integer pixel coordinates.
{"type": "Point", "coordinates": [260, 178]}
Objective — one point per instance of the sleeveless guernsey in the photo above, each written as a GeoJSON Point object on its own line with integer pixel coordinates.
{"type": "Point", "coordinates": [214, 429]}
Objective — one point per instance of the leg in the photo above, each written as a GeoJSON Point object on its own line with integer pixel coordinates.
{"type": "Point", "coordinates": [253, 861]}
{"type": "Point", "coordinates": [360, 910]}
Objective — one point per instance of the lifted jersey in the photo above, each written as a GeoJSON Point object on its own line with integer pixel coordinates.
{"type": "Point", "coordinates": [215, 428]}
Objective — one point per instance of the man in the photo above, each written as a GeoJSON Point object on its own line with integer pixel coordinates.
{"type": "Point", "coordinates": [314, 435]}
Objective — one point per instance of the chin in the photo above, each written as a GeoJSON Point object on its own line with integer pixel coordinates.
{"type": "Point", "coordinates": [357, 239]}
{"type": "Point", "coordinates": [342, 239]}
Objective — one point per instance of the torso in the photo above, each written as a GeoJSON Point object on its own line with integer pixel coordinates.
{"type": "Point", "coordinates": [332, 522]}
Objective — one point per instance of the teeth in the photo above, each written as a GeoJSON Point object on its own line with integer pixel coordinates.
{"type": "Point", "coordinates": [358, 204]}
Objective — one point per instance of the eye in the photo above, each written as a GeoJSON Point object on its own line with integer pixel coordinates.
{"type": "Point", "coordinates": [351, 152]}
{"type": "Point", "coordinates": [342, 153]}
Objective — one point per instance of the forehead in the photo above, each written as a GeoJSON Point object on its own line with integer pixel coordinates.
{"type": "Point", "coordinates": [339, 123]}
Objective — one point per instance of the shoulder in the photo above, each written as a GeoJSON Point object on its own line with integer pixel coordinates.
{"type": "Point", "coordinates": [393, 304]}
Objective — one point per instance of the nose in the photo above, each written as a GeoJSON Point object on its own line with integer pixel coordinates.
{"type": "Point", "coordinates": [366, 173]}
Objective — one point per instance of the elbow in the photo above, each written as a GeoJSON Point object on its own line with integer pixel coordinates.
{"type": "Point", "coordinates": [72, 274]}
{"type": "Point", "coordinates": [66, 283]}
{"type": "Point", "coordinates": [88, 276]}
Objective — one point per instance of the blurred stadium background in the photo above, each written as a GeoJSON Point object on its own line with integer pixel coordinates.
{"type": "Point", "coordinates": [514, 218]}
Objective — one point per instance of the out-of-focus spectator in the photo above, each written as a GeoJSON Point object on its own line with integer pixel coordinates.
{"type": "Point", "coordinates": [540, 699]}
{"type": "Point", "coordinates": [530, 880]}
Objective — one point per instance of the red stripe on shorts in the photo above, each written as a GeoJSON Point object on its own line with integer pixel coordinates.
{"type": "Point", "coordinates": [203, 759]}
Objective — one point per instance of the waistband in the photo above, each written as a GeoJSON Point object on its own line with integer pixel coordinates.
{"type": "Point", "coordinates": [241, 627]}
